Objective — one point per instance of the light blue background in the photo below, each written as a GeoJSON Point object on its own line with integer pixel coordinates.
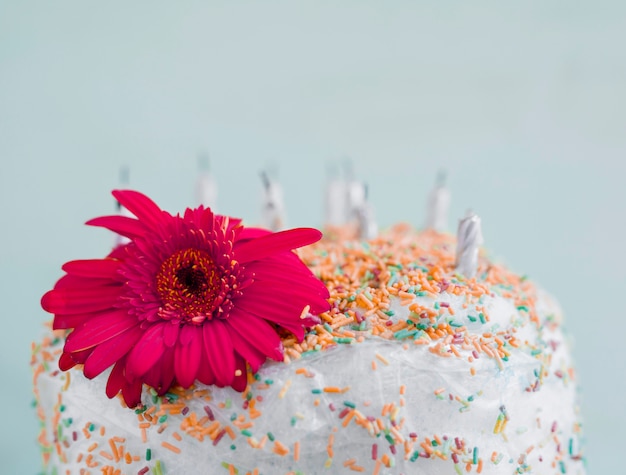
{"type": "Point", "coordinates": [523, 102]}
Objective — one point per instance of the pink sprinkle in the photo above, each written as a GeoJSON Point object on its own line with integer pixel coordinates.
{"type": "Point", "coordinates": [388, 323]}
{"type": "Point", "coordinates": [344, 413]}
{"type": "Point", "coordinates": [245, 404]}
{"type": "Point", "coordinates": [458, 443]}
{"type": "Point", "coordinates": [143, 471]}
{"type": "Point", "coordinates": [219, 437]}
{"type": "Point", "coordinates": [331, 406]}
{"type": "Point", "coordinates": [424, 455]}
{"type": "Point", "coordinates": [455, 458]}
{"type": "Point", "coordinates": [413, 435]}
{"type": "Point", "coordinates": [374, 451]}
{"type": "Point", "coordinates": [451, 397]}
{"type": "Point", "coordinates": [393, 449]}
{"type": "Point", "coordinates": [209, 413]}
{"type": "Point", "coordinates": [444, 304]}
{"type": "Point", "coordinates": [371, 418]}
{"type": "Point", "coordinates": [74, 436]}
{"type": "Point", "coordinates": [553, 429]}
{"type": "Point", "coordinates": [259, 398]}
{"type": "Point", "coordinates": [475, 354]}
{"type": "Point", "coordinates": [185, 410]}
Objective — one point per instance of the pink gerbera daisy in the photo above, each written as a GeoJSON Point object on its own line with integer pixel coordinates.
{"type": "Point", "coordinates": [191, 297]}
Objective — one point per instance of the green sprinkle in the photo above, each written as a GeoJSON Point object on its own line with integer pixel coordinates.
{"type": "Point", "coordinates": [571, 446]}
{"type": "Point", "coordinates": [389, 439]}
{"type": "Point", "coordinates": [349, 404]}
{"type": "Point", "coordinates": [246, 432]}
{"type": "Point", "coordinates": [535, 352]}
{"type": "Point", "coordinates": [171, 396]}
{"type": "Point", "coordinates": [228, 465]}
{"type": "Point", "coordinates": [157, 468]}
{"type": "Point", "coordinates": [248, 395]}
{"type": "Point", "coordinates": [233, 447]}
{"type": "Point", "coordinates": [470, 398]}
{"type": "Point", "coordinates": [522, 308]}
{"type": "Point", "coordinates": [92, 427]}
{"type": "Point", "coordinates": [269, 382]}
{"type": "Point", "coordinates": [562, 467]}
{"type": "Point", "coordinates": [421, 294]}
{"type": "Point", "coordinates": [436, 306]}
{"type": "Point", "coordinates": [162, 419]}
{"type": "Point", "coordinates": [475, 456]}
{"type": "Point", "coordinates": [415, 456]}
{"type": "Point", "coordinates": [389, 313]}
{"type": "Point", "coordinates": [228, 403]}
{"type": "Point", "coordinates": [148, 454]}
{"type": "Point", "coordinates": [293, 421]}
{"type": "Point", "coordinates": [457, 469]}
{"type": "Point", "coordinates": [434, 443]}
{"type": "Point", "coordinates": [344, 340]}
{"type": "Point", "coordinates": [471, 318]}
{"type": "Point", "coordinates": [233, 416]}
{"type": "Point", "coordinates": [270, 436]}
{"type": "Point", "coordinates": [482, 317]}
{"type": "Point", "coordinates": [328, 328]}
{"type": "Point", "coordinates": [316, 391]}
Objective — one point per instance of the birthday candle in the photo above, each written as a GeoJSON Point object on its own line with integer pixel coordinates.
{"type": "Point", "coordinates": [438, 204]}
{"type": "Point", "coordinates": [273, 207]}
{"type": "Point", "coordinates": [469, 240]}
{"type": "Point", "coordinates": [206, 188]}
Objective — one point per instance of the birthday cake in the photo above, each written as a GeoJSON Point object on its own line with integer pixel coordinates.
{"type": "Point", "coordinates": [201, 346]}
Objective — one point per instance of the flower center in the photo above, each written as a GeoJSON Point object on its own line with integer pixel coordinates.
{"type": "Point", "coordinates": [190, 286]}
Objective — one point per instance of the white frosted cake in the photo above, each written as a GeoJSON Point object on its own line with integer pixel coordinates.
{"type": "Point", "coordinates": [409, 368]}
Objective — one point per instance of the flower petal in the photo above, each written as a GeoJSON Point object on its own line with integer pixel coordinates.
{"type": "Point", "coordinates": [250, 353]}
{"type": "Point", "coordinates": [99, 329]}
{"type": "Point", "coordinates": [187, 355]}
{"type": "Point", "coordinates": [265, 246]}
{"type": "Point", "coordinates": [146, 210]}
{"type": "Point", "coordinates": [240, 382]}
{"type": "Point", "coordinates": [110, 351]}
{"type": "Point", "coordinates": [146, 352]}
{"type": "Point", "coordinates": [66, 362]}
{"type": "Point", "coordinates": [123, 225]}
{"type": "Point", "coordinates": [257, 333]}
{"type": "Point", "coordinates": [98, 268]}
{"type": "Point", "coordinates": [219, 349]}
{"type": "Point", "coordinates": [83, 300]}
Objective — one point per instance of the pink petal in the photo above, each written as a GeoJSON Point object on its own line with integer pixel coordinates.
{"type": "Point", "coordinates": [146, 352]}
{"type": "Point", "coordinates": [131, 392]}
{"type": "Point", "coordinates": [187, 355]}
{"type": "Point", "coordinates": [74, 282]}
{"type": "Point", "coordinates": [257, 333]}
{"type": "Point", "coordinates": [66, 362]}
{"type": "Point", "coordinates": [111, 351]}
{"type": "Point", "coordinates": [240, 382]}
{"type": "Point", "coordinates": [98, 268]}
{"type": "Point", "coordinates": [219, 349]}
{"type": "Point", "coordinates": [253, 356]}
{"type": "Point", "coordinates": [161, 375]}
{"type": "Point", "coordinates": [123, 225]}
{"type": "Point", "coordinates": [99, 329]}
{"type": "Point", "coordinates": [170, 334]}
{"type": "Point", "coordinates": [116, 380]}
{"type": "Point", "coordinates": [141, 206]}
{"type": "Point", "coordinates": [205, 375]}
{"type": "Point", "coordinates": [84, 300]}
{"type": "Point", "coordinates": [252, 233]}
{"type": "Point", "coordinates": [70, 321]}
{"type": "Point", "coordinates": [282, 241]}
{"type": "Point", "coordinates": [291, 295]}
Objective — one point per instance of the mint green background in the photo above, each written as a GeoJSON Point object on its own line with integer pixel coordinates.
{"type": "Point", "coordinates": [523, 102]}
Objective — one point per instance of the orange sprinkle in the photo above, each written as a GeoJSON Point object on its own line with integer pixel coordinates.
{"type": "Point", "coordinates": [177, 436]}
{"type": "Point", "coordinates": [296, 451]}
{"type": "Point", "coordinates": [171, 447]}
{"type": "Point", "coordinates": [332, 389]}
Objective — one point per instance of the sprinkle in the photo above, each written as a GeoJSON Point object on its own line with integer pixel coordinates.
{"type": "Point", "coordinates": [382, 359]}
{"type": "Point", "coordinates": [171, 447]}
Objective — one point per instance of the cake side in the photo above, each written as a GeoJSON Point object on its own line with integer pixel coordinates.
{"type": "Point", "coordinates": [414, 367]}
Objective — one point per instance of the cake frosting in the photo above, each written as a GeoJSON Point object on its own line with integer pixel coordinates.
{"type": "Point", "coordinates": [414, 369]}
